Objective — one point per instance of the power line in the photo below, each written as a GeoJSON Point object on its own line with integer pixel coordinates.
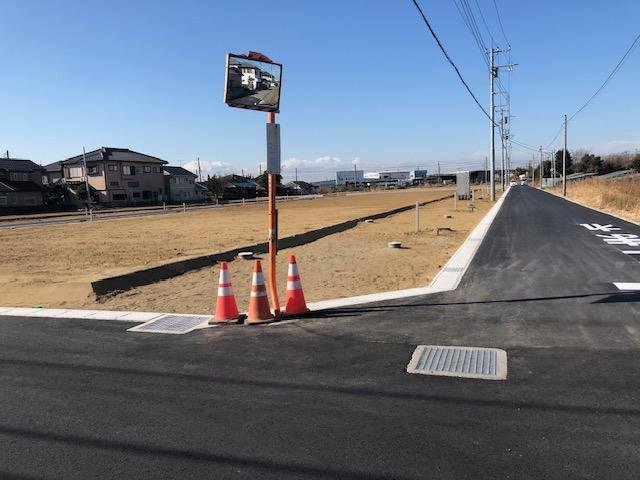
{"type": "Point", "coordinates": [485, 22]}
{"type": "Point", "coordinates": [615, 70]}
{"type": "Point", "coordinates": [449, 59]}
{"type": "Point", "coordinates": [624, 58]}
{"type": "Point", "coordinates": [500, 23]}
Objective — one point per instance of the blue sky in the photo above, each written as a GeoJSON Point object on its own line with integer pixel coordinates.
{"type": "Point", "coordinates": [362, 80]}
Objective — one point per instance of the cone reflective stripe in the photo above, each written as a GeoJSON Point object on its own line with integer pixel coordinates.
{"type": "Point", "coordinates": [295, 302]}
{"type": "Point", "coordinates": [259, 311]}
{"type": "Point", "coordinates": [226, 307]}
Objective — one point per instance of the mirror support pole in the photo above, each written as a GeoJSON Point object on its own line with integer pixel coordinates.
{"type": "Point", "coordinates": [273, 232]}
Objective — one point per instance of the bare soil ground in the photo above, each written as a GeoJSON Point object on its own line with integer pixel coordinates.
{"type": "Point", "coordinates": [53, 265]}
{"type": "Point", "coordinates": [620, 196]}
{"type": "Point", "coordinates": [350, 263]}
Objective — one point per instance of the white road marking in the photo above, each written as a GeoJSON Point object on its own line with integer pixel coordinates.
{"type": "Point", "coordinates": [628, 286]}
{"type": "Point", "coordinates": [631, 252]}
{"type": "Point", "coordinates": [621, 239]}
{"type": "Point", "coordinates": [597, 226]}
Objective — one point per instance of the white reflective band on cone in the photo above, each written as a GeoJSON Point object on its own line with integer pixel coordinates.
{"type": "Point", "coordinates": [259, 293]}
{"type": "Point", "coordinates": [296, 285]}
{"type": "Point", "coordinates": [293, 269]}
{"type": "Point", "coordinates": [225, 277]}
{"type": "Point", "coordinates": [225, 291]}
{"type": "Point", "coordinates": [257, 278]}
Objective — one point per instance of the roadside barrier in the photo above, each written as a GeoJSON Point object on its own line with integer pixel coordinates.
{"type": "Point", "coordinates": [226, 308]}
{"type": "Point", "coordinates": [295, 303]}
{"type": "Point", "coordinates": [259, 311]}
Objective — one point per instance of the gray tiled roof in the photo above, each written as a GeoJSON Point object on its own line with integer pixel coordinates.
{"type": "Point", "coordinates": [18, 165]}
{"type": "Point", "coordinates": [178, 171]}
{"type": "Point", "coordinates": [115, 155]}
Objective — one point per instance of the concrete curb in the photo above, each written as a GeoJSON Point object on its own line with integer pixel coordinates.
{"type": "Point", "coordinates": [122, 316]}
{"type": "Point", "coordinates": [448, 278]}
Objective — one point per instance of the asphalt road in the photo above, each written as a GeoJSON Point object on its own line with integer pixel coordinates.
{"type": "Point", "coordinates": [328, 397]}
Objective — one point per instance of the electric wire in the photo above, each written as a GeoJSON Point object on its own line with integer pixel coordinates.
{"type": "Point", "coordinates": [500, 23]}
{"type": "Point", "coordinates": [444, 52]}
{"type": "Point", "coordinates": [624, 58]}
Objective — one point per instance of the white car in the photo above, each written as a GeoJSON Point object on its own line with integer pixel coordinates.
{"type": "Point", "coordinates": [513, 183]}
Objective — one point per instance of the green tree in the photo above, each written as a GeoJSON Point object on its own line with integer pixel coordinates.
{"type": "Point", "coordinates": [558, 159]}
{"type": "Point", "coordinates": [215, 185]}
{"type": "Point", "coordinates": [590, 164]}
{"type": "Point", "coordinates": [546, 168]}
{"type": "Point", "coordinates": [263, 180]}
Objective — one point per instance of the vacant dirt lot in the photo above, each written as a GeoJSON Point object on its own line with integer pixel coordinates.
{"type": "Point", "coordinates": [350, 263]}
{"type": "Point", "coordinates": [53, 265]}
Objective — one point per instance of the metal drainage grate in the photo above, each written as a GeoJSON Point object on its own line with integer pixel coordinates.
{"type": "Point", "coordinates": [172, 324]}
{"type": "Point", "coordinates": [469, 362]}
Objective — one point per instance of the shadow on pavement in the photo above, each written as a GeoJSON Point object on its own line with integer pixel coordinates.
{"type": "Point", "coordinates": [335, 389]}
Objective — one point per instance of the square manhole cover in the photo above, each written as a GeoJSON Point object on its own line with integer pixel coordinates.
{"type": "Point", "coordinates": [172, 324]}
{"type": "Point", "coordinates": [467, 362]}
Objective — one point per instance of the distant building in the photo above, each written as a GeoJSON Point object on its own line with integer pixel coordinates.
{"type": "Point", "coordinates": [180, 185]}
{"type": "Point", "coordinates": [236, 187]}
{"type": "Point", "coordinates": [53, 173]}
{"type": "Point", "coordinates": [350, 177]}
{"type": "Point", "coordinates": [118, 176]}
{"type": "Point", "coordinates": [418, 176]}
{"type": "Point", "coordinates": [301, 188]}
{"type": "Point", "coordinates": [21, 183]}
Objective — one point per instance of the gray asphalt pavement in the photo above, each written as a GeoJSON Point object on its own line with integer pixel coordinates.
{"type": "Point", "coordinates": [328, 397]}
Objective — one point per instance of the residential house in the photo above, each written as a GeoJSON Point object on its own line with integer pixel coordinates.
{"type": "Point", "coordinates": [118, 176]}
{"type": "Point", "coordinates": [181, 186]}
{"type": "Point", "coordinates": [21, 183]}
{"type": "Point", "coordinates": [53, 173]}
{"type": "Point", "coordinates": [299, 187]}
{"type": "Point", "coordinates": [236, 187]}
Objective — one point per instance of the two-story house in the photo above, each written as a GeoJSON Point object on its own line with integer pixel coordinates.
{"type": "Point", "coordinates": [181, 185]}
{"type": "Point", "coordinates": [20, 183]}
{"type": "Point", "coordinates": [119, 176]}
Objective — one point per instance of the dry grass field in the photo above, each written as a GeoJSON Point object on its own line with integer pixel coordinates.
{"type": "Point", "coordinates": [620, 196]}
{"type": "Point", "coordinates": [53, 265]}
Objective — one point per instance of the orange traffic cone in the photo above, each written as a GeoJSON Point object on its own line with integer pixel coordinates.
{"type": "Point", "coordinates": [295, 303]}
{"type": "Point", "coordinates": [226, 307]}
{"type": "Point", "coordinates": [259, 311]}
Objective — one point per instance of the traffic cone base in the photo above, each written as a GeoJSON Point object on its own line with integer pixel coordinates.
{"type": "Point", "coordinates": [226, 307]}
{"type": "Point", "coordinates": [295, 303]}
{"type": "Point", "coordinates": [259, 311]}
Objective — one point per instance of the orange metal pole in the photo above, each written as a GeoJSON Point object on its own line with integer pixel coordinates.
{"type": "Point", "coordinates": [273, 233]}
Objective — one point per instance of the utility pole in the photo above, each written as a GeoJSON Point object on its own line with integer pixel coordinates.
{"type": "Point", "coordinates": [540, 167]}
{"type": "Point", "coordinates": [439, 178]}
{"type": "Point", "coordinates": [564, 160]}
{"type": "Point", "coordinates": [502, 177]}
{"type": "Point", "coordinates": [355, 176]}
{"type": "Point", "coordinates": [86, 178]}
{"type": "Point", "coordinates": [199, 171]}
{"type": "Point", "coordinates": [486, 170]}
{"type": "Point", "coordinates": [492, 75]}
{"type": "Point", "coordinates": [296, 174]}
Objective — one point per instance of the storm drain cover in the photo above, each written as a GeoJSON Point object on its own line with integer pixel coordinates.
{"type": "Point", "coordinates": [172, 324]}
{"type": "Point", "coordinates": [469, 362]}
